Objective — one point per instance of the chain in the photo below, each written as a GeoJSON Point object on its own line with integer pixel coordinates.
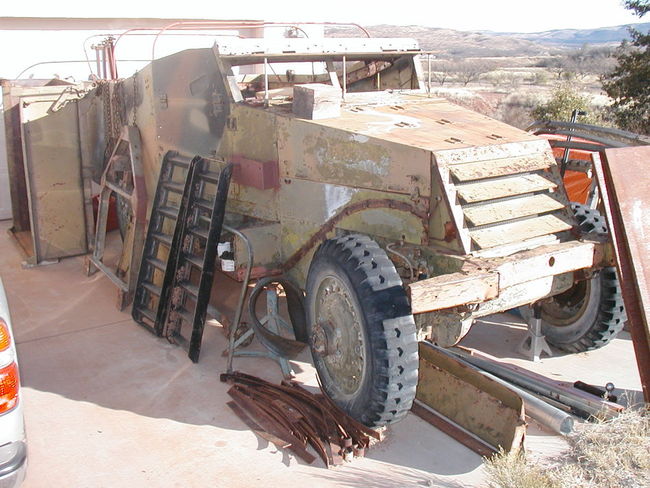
{"type": "Point", "coordinates": [117, 110]}
{"type": "Point", "coordinates": [135, 95]}
{"type": "Point", "coordinates": [105, 88]}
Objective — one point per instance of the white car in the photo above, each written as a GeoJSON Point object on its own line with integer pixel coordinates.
{"type": "Point", "coordinates": [13, 446]}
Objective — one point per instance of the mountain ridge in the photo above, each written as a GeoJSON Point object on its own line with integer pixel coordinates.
{"type": "Point", "coordinates": [450, 42]}
{"type": "Point", "coordinates": [601, 35]}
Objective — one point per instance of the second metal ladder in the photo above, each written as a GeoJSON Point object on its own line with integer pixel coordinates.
{"type": "Point", "coordinates": [177, 269]}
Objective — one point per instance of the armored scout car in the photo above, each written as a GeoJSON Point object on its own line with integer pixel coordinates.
{"type": "Point", "coordinates": [398, 216]}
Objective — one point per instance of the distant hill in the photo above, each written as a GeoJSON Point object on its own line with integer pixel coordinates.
{"type": "Point", "coordinates": [578, 37]}
{"type": "Point", "coordinates": [449, 42]}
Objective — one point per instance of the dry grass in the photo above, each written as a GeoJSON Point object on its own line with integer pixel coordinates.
{"type": "Point", "coordinates": [510, 470]}
{"type": "Point", "coordinates": [604, 454]}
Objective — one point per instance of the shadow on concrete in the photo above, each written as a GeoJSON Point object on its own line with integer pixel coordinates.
{"type": "Point", "coordinates": [122, 366]}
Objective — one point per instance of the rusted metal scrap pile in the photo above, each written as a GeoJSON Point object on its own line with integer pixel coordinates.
{"type": "Point", "coordinates": [291, 417]}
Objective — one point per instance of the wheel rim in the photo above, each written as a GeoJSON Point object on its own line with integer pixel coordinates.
{"type": "Point", "coordinates": [338, 335]}
{"type": "Point", "coordinates": [565, 309]}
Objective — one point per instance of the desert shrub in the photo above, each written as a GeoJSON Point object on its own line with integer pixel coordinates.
{"type": "Point", "coordinates": [563, 101]}
{"type": "Point", "coordinates": [603, 454]}
{"type": "Point", "coordinates": [516, 109]}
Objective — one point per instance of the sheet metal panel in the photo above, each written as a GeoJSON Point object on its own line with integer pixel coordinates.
{"type": "Point", "coordinates": [52, 161]}
{"type": "Point", "coordinates": [627, 202]}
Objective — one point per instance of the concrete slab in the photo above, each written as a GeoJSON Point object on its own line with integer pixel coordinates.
{"type": "Point", "coordinates": [109, 405]}
{"type": "Point", "coordinates": [54, 299]}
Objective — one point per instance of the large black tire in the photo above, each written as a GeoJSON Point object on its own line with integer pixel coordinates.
{"type": "Point", "coordinates": [591, 313]}
{"type": "Point", "coordinates": [359, 321]}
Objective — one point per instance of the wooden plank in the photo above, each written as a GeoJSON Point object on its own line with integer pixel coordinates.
{"type": "Point", "coordinates": [545, 261]}
{"type": "Point", "coordinates": [503, 187]}
{"type": "Point", "coordinates": [490, 152]}
{"type": "Point", "coordinates": [496, 276]}
{"type": "Point", "coordinates": [490, 213]}
{"type": "Point", "coordinates": [520, 230]}
{"type": "Point", "coordinates": [478, 170]}
{"type": "Point", "coordinates": [627, 205]}
{"type": "Point", "coordinates": [477, 403]}
{"type": "Point", "coordinates": [453, 289]}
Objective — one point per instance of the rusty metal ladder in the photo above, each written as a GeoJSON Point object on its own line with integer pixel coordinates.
{"type": "Point", "coordinates": [177, 270]}
{"type": "Point", "coordinates": [190, 273]}
{"type": "Point", "coordinates": [174, 177]}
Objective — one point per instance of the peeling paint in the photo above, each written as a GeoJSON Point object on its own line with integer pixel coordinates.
{"type": "Point", "coordinates": [639, 218]}
{"type": "Point", "coordinates": [347, 161]}
{"type": "Point", "coordinates": [336, 197]}
{"type": "Point", "coordinates": [359, 138]}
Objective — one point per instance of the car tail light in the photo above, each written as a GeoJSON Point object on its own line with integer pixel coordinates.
{"type": "Point", "coordinates": [9, 385]}
{"type": "Point", "coordinates": [5, 338]}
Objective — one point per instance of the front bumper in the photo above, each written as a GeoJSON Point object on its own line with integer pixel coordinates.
{"type": "Point", "coordinates": [13, 464]}
{"type": "Point", "coordinates": [499, 284]}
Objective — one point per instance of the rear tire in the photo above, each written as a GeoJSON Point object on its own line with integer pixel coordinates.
{"type": "Point", "coordinates": [591, 313]}
{"type": "Point", "coordinates": [361, 331]}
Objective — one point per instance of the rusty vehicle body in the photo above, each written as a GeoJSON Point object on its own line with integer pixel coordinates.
{"type": "Point", "coordinates": [401, 216]}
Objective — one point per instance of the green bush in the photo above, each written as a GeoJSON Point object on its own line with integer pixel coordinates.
{"type": "Point", "coordinates": [564, 100]}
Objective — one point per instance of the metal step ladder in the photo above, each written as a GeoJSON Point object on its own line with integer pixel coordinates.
{"type": "Point", "coordinates": [148, 309]}
{"type": "Point", "coordinates": [180, 250]}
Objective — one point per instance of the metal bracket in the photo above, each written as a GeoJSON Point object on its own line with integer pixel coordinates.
{"type": "Point", "coordinates": [127, 180]}
{"type": "Point", "coordinates": [534, 344]}
{"type": "Point", "coordinates": [273, 322]}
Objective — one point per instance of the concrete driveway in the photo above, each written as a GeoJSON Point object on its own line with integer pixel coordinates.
{"type": "Point", "coordinates": [109, 405]}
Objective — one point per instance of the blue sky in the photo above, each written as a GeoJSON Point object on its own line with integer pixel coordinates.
{"type": "Point", "coordinates": [28, 47]}
{"type": "Point", "coordinates": [500, 15]}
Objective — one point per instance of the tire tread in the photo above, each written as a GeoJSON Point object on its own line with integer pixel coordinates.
{"type": "Point", "coordinates": [390, 326]}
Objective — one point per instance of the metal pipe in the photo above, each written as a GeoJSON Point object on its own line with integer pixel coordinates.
{"type": "Point", "coordinates": [110, 49]}
{"type": "Point", "coordinates": [101, 73]}
{"type": "Point", "coordinates": [554, 125]}
{"type": "Point", "coordinates": [96, 60]}
{"type": "Point", "coordinates": [242, 295]}
{"type": "Point", "coordinates": [565, 157]}
{"type": "Point", "coordinates": [592, 407]}
{"type": "Point", "coordinates": [553, 418]}
{"type": "Point", "coordinates": [74, 61]}
{"type": "Point", "coordinates": [345, 78]}
{"type": "Point", "coordinates": [232, 25]}
{"type": "Point", "coordinates": [429, 73]}
{"type": "Point", "coordinates": [266, 83]}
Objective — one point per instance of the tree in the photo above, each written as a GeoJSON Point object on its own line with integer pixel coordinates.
{"type": "Point", "coordinates": [641, 7]}
{"type": "Point", "coordinates": [564, 100]}
{"type": "Point", "coordinates": [628, 83]}
{"type": "Point", "coordinates": [467, 71]}
{"type": "Point", "coordinates": [441, 72]}
{"type": "Point", "coordinates": [580, 63]}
